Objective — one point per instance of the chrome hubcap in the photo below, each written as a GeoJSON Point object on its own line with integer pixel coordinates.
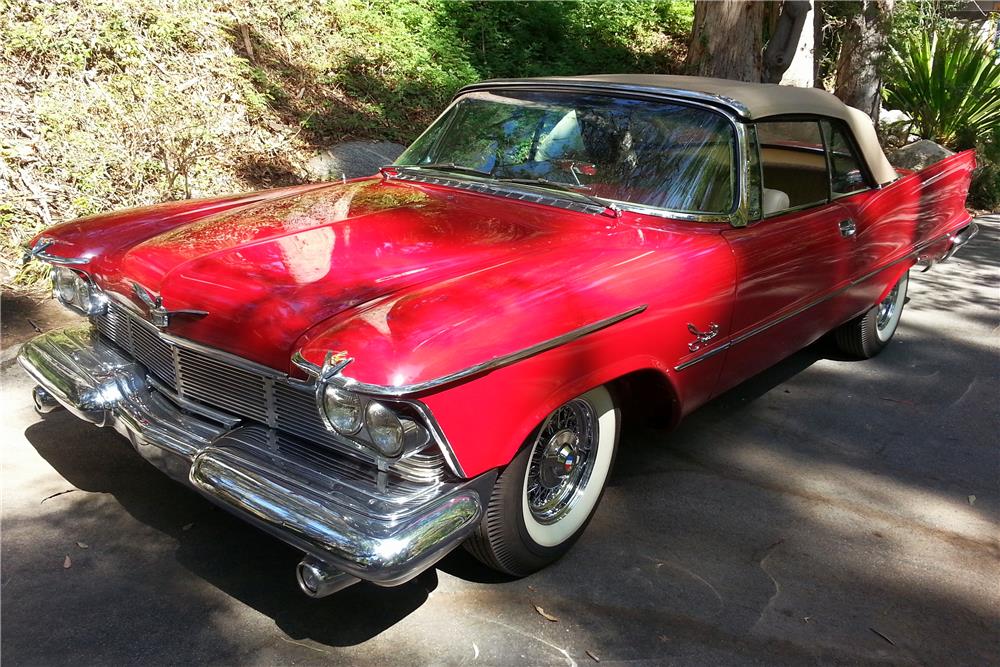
{"type": "Point", "coordinates": [561, 460]}
{"type": "Point", "coordinates": [887, 309]}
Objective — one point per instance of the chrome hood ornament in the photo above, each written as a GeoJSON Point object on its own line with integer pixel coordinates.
{"type": "Point", "coordinates": [158, 315]}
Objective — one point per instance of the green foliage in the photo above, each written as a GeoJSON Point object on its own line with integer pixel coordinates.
{"type": "Point", "coordinates": [115, 104]}
{"type": "Point", "coordinates": [946, 80]}
{"type": "Point", "coordinates": [984, 193]}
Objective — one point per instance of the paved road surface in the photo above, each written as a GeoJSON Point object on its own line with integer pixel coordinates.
{"type": "Point", "coordinates": [821, 512]}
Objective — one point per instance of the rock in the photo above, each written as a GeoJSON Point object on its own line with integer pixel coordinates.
{"type": "Point", "coordinates": [352, 159]}
{"type": "Point", "coordinates": [918, 155]}
{"type": "Point", "coordinates": [894, 128]}
{"type": "Point", "coordinates": [892, 116]}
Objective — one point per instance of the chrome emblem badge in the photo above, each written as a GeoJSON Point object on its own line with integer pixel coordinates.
{"type": "Point", "coordinates": [702, 337]}
{"type": "Point", "coordinates": [158, 315]}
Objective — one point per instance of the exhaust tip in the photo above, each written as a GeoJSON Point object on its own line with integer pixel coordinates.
{"type": "Point", "coordinates": [317, 579]}
{"type": "Point", "coordinates": [44, 401]}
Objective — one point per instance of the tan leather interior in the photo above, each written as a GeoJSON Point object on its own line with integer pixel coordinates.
{"type": "Point", "coordinates": [798, 175]}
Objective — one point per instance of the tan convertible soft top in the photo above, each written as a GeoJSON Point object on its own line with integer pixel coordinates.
{"type": "Point", "coordinates": [755, 101]}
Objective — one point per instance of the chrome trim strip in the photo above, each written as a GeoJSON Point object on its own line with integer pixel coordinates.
{"type": "Point", "coordinates": [711, 353]}
{"type": "Point", "coordinates": [798, 311]}
{"type": "Point", "coordinates": [709, 99]}
{"type": "Point", "coordinates": [486, 366]}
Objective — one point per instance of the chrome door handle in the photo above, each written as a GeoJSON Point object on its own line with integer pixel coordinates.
{"type": "Point", "coordinates": [847, 227]}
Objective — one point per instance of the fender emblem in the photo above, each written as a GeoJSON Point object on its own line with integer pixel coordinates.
{"type": "Point", "coordinates": [158, 315]}
{"type": "Point", "coordinates": [702, 337]}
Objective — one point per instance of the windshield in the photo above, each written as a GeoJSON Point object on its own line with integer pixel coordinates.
{"type": "Point", "coordinates": [656, 154]}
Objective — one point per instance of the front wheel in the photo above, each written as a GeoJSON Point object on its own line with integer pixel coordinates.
{"type": "Point", "coordinates": [544, 499]}
{"type": "Point", "coordinates": [865, 336]}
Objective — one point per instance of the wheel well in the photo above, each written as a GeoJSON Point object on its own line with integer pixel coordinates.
{"type": "Point", "coordinates": [646, 396]}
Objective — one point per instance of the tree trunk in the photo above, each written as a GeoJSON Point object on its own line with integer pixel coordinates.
{"type": "Point", "coordinates": [861, 52]}
{"type": "Point", "coordinates": [788, 57]}
{"type": "Point", "coordinates": [727, 39]}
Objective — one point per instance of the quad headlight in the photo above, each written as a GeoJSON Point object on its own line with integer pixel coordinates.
{"type": "Point", "coordinates": [77, 292]}
{"type": "Point", "coordinates": [344, 410]}
{"type": "Point", "coordinates": [373, 424]}
{"type": "Point", "coordinates": [385, 429]}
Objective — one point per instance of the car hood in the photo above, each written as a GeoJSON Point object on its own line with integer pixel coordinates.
{"type": "Point", "coordinates": [267, 273]}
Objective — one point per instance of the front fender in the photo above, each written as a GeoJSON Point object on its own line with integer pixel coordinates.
{"type": "Point", "coordinates": [488, 420]}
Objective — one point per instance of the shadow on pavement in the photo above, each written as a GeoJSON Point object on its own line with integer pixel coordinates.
{"type": "Point", "coordinates": [808, 514]}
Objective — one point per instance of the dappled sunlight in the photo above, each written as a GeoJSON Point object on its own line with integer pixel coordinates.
{"type": "Point", "coordinates": [795, 517]}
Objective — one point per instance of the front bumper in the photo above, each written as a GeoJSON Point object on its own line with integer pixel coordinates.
{"type": "Point", "coordinates": [323, 505]}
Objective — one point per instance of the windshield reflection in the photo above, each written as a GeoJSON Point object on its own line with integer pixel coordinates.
{"type": "Point", "coordinates": [655, 154]}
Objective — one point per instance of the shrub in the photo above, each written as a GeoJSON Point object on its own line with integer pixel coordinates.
{"type": "Point", "coordinates": [946, 80]}
{"type": "Point", "coordinates": [984, 193]}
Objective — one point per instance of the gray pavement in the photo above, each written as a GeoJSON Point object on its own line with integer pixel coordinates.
{"type": "Point", "coordinates": [826, 511]}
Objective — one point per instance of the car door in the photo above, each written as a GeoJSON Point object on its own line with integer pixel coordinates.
{"type": "Point", "coordinates": [792, 262]}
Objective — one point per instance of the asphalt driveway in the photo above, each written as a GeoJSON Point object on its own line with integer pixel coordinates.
{"type": "Point", "coordinates": [825, 511]}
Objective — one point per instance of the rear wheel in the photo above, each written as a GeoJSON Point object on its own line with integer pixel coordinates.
{"type": "Point", "coordinates": [544, 499]}
{"type": "Point", "coordinates": [865, 336]}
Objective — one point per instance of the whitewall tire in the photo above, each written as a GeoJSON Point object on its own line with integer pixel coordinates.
{"type": "Point", "coordinates": [544, 499]}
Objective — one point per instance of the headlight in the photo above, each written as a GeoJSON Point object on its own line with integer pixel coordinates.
{"type": "Point", "coordinates": [343, 410]}
{"type": "Point", "coordinates": [385, 429]}
{"type": "Point", "coordinates": [76, 292]}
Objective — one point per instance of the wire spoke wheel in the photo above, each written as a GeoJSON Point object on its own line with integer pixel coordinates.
{"type": "Point", "coordinates": [561, 461]}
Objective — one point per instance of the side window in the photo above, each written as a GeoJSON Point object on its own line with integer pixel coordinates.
{"type": "Point", "coordinates": [846, 175]}
{"type": "Point", "coordinates": [793, 163]}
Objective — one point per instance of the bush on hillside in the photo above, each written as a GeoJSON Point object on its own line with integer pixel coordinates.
{"type": "Point", "coordinates": [114, 104]}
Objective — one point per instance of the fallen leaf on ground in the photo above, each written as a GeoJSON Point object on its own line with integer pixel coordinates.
{"type": "Point", "coordinates": [57, 494]}
{"type": "Point", "coordinates": [544, 614]}
{"type": "Point", "coordinates": [187, 526]}
{"type": "Point", "coordinates": [897, 400]}
{"type": "Point", "coordinates": [972, 500]}
{"type": "Point", "coordinates": [592, 656]}
{"type": "Point", "coordinates": [68, 563]}
{"type": "Point", "coordinates": [83, 545]}
{"type": "Point", "coordinates": [882, 636]}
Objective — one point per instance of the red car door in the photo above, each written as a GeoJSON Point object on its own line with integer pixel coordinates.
{"type": "Point", "coordinates": [793, 263]}
{"type": "Point", "coordinates": [789, 270]}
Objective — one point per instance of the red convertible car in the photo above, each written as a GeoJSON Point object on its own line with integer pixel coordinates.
{"type": "Point", "coordinates": [380, 370]}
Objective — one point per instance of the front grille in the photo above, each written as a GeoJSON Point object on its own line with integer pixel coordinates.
{"type": "Point", "coordinates": [268, 398]}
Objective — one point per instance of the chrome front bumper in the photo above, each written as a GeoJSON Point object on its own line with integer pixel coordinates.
{"type": "Point", "coordinates": [318, 504]}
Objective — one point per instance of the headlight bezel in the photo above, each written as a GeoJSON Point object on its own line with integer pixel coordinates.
{"type": "Point", "coordinates": [413, 434]}
{"type": "Point", "coordinates": [75, 290]}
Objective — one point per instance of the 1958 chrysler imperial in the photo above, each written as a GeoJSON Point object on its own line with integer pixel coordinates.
{"type": "Point", "coordinates": [379, 370]}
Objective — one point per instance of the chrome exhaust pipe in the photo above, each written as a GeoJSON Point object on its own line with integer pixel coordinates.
{"type": "Point", "coordinates": [317, 579]}
{"type": "Point", "coordinates": [44, 401]}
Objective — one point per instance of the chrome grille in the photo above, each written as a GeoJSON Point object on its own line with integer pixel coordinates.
{"type": "Point", "coordinates": [299, 414]}
{"type": "Point", "coordinates": [222, 385]}
{"type": "Point", "coordinates": [272, 400]}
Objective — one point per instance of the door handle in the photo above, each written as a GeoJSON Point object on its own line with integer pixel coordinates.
{"type": "Point", "coordinates": [847, 227]}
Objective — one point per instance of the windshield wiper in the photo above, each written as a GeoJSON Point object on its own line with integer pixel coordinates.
{"type": "Point", "coordinates": [609, 207]}
{"type": "Point", "coordinates": [446, 166]}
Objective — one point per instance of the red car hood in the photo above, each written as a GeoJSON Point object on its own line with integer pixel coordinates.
{"type": "Point", "coordinates": [269, 272]}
